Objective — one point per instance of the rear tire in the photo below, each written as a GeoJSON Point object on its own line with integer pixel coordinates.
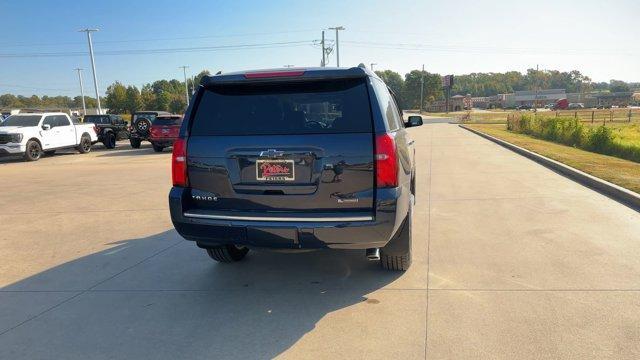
{"type": "Point", "coordinates": [157, 148]}
{"type": "Point", "coordinates": [33, 152]}
{"type": "Point", "coordinates": [109, 140]}
{"type": "Point", "coordinates": [85, 144]}
{"type": "Point", "coordinates": [396, 255]}
{"type": "Point", "coordinates": [227, 253]}
{"type": "Point", "coordinates": [135, 143]}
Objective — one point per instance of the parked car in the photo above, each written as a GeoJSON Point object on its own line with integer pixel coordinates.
{"type": "Point", "coordinates": [141, 126]}
{"type": "Point", "coordinates": [575, 106]}
{"type": "Point", "coordinates": [164, 131]}
{"type": "Point", "coordinates": [110, 128]}
{"type": "Point", "coordinates": [33, 134]}
{"type": "Point", "coordinates": [524, 107]}
{"type": "Point", "coordinates": [295, 159]}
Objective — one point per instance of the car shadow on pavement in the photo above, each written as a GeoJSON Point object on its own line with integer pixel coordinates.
{"type": "Point", "coordinates": [162, 297]}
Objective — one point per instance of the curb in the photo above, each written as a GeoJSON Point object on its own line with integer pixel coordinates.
{"type": "Point", "coordinates": [618, 193]}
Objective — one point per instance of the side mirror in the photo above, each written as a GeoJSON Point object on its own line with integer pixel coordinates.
{"type": "Point", "coordinates": [46, 127]}
{"type": "Point", "coordinates": [414, 120]}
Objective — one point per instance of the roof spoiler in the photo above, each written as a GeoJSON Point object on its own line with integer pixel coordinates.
{"type": "Point", "coordinates": [284, 75]}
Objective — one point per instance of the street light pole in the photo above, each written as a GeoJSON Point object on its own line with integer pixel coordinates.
{"type": "Point", "coordinates": [93, 66]}
{"type": "Point", "coordinates": [337, 29]}
{"type": "Point", "coordinates": [186, 86]}
{"type": "Point", "coordinates": [422, 89]}
{"type": "Point", "coordinates": [84, 106]}
{"type": "Point", "coordinates": [323, 53]}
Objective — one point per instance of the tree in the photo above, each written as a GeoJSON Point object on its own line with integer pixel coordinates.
{"type": "Point", "coordinates": [116, 100]}
{"type": "Point", "coordinates": [163, 100]}
{"type": "Point", "coordinates": [134, 100]}
{"type": "Point", "coordinates": [178, 105]}
{"type": "Point", "coordinates": [619, 86]}
{"type": "Point", "coordinates": [395, 82]}
{"type": "Point", "coordinates": [412, 85]}
{"type": "Point", "coordinates": [147, 97]}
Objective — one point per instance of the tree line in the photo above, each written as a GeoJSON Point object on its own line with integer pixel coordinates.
{"type": "Point", "coordinates": [407, 89]}
{"type": "Point", "coordinates": [47, 102]}
{"type": "Point", "coordinates": [169, 95]}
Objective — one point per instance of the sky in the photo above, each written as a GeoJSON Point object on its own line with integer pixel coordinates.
{"type": "Point", "coordinates": [145, 40]}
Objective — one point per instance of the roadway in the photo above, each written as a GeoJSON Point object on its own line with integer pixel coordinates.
{"type": "Point", "coordinates": [511, 260]}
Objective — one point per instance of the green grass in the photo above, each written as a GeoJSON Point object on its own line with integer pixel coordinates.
{"type": "Point", "coordinates": [599, 116]}
{"type": "Point", "coordinates": [621, 172]}
{"type": "Point", "coordinates": [618, 140]}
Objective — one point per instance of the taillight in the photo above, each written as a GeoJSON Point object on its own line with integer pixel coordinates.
{"type": "Point", "coordinates": [386, 161]}
{"type": "Point", "coordinates": [273, 74]}
{"type": "Point", "coordinates": [179, 163]}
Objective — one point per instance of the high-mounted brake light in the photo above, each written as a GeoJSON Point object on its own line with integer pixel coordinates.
{"type": "Point", "coordinates": [179, 163]}
{"type": "Point", "coordinates": [386, 161]}
{"type": "Point", "coordinates": [273, 74]}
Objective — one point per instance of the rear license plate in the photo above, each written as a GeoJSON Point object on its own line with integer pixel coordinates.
{"type": "Point", "coordinates": [275, 170]}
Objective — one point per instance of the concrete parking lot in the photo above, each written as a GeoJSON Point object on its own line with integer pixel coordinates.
{"type": "Point", "coordinates": [511, 261]}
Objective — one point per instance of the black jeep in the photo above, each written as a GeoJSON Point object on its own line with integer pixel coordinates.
{"type": "Point", "coordinates": [140, 129]}
{"type": "Point", "coordinates": [110, 128]}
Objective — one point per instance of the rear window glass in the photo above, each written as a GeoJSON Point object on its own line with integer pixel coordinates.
{"type": "Point", "coordinates": [166, 121]}
{"type": "Point", "coordinates": [149, 117]}
{"type": "Point", "coordinates": [97, 119]}
{"type": "Point", "coordinates": [316, 107]}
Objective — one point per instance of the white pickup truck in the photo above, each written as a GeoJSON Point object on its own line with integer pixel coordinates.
{"type": "Point", "coordinates": [31, 135]}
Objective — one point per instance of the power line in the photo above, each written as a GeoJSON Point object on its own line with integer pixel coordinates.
{"type": "Point", "coordinates": [481, 50]}
{"type": "Point", "coordinates": [162, 50]}
{"type": "Point", "coordinates": [35, 88]}
{"type": "Point", "coordinates": [159, 39]}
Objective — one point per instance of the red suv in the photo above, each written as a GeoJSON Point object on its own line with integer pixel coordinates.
{"type": "Point", "coordinates": [164, 131]}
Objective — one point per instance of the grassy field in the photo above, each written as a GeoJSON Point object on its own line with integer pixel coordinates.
{"type": "Point", "coordinates": [587, 116]}
{"type": "Point", "coordinates": [626, 133]}
{"type": "Point", "coordinates": [618, 171]}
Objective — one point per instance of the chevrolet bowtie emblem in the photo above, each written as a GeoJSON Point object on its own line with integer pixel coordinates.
{"type": "Point", "coordinates": [271, 153]}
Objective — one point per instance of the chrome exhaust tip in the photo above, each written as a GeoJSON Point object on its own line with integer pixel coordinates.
{"type": "Point", "coordinates": [373, 254]}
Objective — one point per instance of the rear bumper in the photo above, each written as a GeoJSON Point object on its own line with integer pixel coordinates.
{"type": "Point", "coordinates": [162, 141]}
{"type": "Point", "coordinates": [336, 230]}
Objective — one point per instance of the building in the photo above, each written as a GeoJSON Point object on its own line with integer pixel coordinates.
{"type": "Point", "coordinates": [538, 97]}
{"type": "Point", "coordinates": [456, 103]}
{"type": "Point", "coordinates": [608, 99]}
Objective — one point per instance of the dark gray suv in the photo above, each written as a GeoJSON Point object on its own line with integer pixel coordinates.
{"type": "Point", "coordinates": [295, 159]}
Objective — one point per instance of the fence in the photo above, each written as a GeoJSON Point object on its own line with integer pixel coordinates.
{"type": "Point", "coordinates": [596, 117]}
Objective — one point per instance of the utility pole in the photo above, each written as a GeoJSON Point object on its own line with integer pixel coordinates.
{"type": "Point", "coordinates": [421, 89]}
{"type": "Point", "coordinates": [186, 85]}
{"type": "Point", "coordinates": [337, 29]}
{"type": "Point", "coordinates": [93, 66]}
{"type": "Point", "coordinates": [323, 53]}
{"type": "Point", "coordinates": [371, 66]}
{"type": "Point", "coordinates": [537, 85]}
{"type": "Point", "coordinates": [84, 106]}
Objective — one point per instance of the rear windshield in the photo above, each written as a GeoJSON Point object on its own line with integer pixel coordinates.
{"type": "Point", "coordinates": [149, 117]}
{"type": "Point", "coordinates": [166, 121]}
{"type": "Point", "coordinates": [319, 107]}
{"type": "Point", "coordinates": [97, 119]}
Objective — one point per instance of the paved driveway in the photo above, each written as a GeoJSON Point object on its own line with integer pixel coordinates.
{"type": "Point", "coordinates": [511, 261]}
